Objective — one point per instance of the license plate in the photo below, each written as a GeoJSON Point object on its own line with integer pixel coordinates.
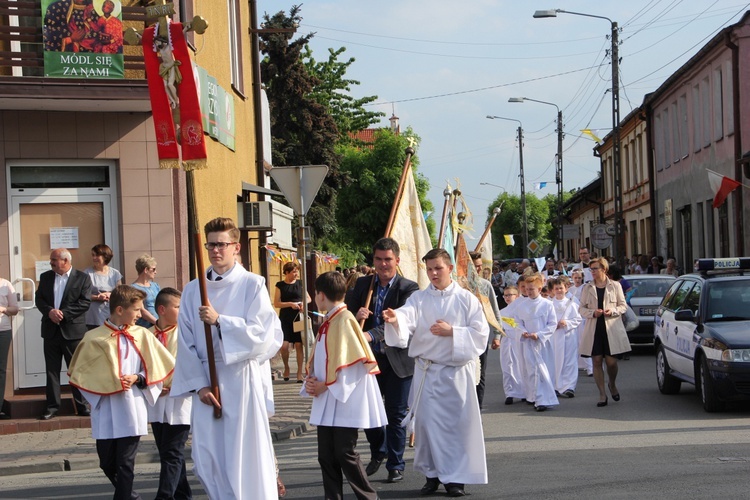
{"type": "Point", "coordinates": [647, 311]}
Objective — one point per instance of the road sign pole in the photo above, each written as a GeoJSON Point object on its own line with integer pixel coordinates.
{"type": "Point", "coordinates": [300, 185]}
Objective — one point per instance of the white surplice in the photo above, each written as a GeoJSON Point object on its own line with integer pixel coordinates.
{"type": "Point", "coordinates": [352, 401]}
{"type": "Point", "coordinates": [123, 414]}
{"type": "Point", "coordinates": [510, 351]}
{"type": "Point", "coordinates": [537, 316]}
{"type": "Point", "coordinates": [171, 410]}
{"type": "Point", "coordinates": [233, 455]}
{"type": "Point", "coordinates": [565, 345]}
{"type": "Point", "coordinates": [443, 398]}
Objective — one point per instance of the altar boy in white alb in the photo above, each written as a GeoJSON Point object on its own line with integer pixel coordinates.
{"type": "Point", "coordinates": [347, 398]}
{"type": "Point", "coordinates": [233, 455]}
{"type": "Point", "coordinates": [449, 333]}
{"type": "Point", "coordinates": [119, 368]}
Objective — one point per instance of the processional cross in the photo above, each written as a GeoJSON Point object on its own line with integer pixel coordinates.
{"type": "Point", "coordinates": [177, 119]}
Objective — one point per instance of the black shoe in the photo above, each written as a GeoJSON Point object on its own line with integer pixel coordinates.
{"type": "Point", "coordinates": [395, 476]}
{"type": "Point", "coordinates": [374, 466]}
{"type": "Point", "coordinates": [508, 401]}
{"type": "Point", "coordinates": [84, 413]}
{"type": "Point", "coordinates": [430, 486]}
{"type": "Point", "coordinates": [601, 404]}
{"type": "Point", "coordinates": [541, 408]}
{"type": "Point", "coordinates": [50, 413]}
{"type": "Point", "coordinates": [569, 393]}
{"type": "Point", "coordinates": [4, 416]}
{"type": "Point", "coordinates": [455, 489]}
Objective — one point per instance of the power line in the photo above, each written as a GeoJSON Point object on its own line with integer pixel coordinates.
{"type": "Point", "coordinates": [482, 89]}
{"type": "Point", "coordinates": [444, 42]}
{"type": "Point", "coordinates": [455, 56]}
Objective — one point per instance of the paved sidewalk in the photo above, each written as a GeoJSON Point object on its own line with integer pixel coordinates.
{"type": "Point", "coordinates": [74, 449]}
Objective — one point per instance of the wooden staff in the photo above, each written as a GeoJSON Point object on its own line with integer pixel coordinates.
{"type": "Point", "coordinates": [441, 234]}
{"type": "Point", "coordinates": [495, 213]}
{"type": "Point", "coordinates": [389, 226]}
{"type": "Point", "coordinates": [197, 241]}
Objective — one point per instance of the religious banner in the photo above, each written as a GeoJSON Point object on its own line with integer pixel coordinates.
{"type": "Point", "coordinates": [83, 38]}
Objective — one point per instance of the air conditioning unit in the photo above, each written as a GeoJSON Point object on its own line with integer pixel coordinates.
{"type": "Point", "coordinates": [255, 215]}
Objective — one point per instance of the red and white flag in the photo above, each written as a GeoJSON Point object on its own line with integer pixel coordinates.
{"type": "Point", "coordinates": [721, 185]}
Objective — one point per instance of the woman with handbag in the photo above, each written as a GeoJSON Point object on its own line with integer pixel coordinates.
{"type": "Point", "coordinates": [604, 337]}
{"type": "Point", "coordinates": [288, 299]}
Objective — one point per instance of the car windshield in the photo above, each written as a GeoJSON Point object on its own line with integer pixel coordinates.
{"type": "Point", "coordinates": [728, 301]}
{"type": "Point", "coordinates": [653, 287]}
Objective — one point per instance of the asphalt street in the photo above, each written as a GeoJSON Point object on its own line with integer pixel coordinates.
{"type": "Point", "coordinates": [648, 445]}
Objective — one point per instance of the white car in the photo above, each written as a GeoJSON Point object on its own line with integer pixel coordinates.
{"type": "Point", "coordinates": [646, 292]}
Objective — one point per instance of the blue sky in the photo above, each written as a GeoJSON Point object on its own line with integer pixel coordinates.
{"type": "Point", "coordinates": [443, 66]}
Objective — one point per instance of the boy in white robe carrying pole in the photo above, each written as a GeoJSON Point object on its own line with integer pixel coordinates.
{"type": "Point", "coordinates": [233, 455]}
{"type": "Point", "coordinates": [449, 333]}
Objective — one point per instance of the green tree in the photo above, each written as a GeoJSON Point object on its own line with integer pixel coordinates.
{"type": "Point", "coordinates": [364, 206]}
{"type": "Point", "coordinates": [303, 131]}
{"type": "Point", "coordinates": [333, 91]}
{"type": "Point", "coordinates": [510, 221]}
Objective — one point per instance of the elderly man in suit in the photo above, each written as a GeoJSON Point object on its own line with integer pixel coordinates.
{"type": "Point", "coordinates": [396, 367]}
{"type": "Point", "coordinates": [63, 297]}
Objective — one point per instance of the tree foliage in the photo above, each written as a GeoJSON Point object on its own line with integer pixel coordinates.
{"type": "Point", "coordinates": [365, 205]}
{"type": "Point", "coordinates": [510, 221]}
{"type": "Point", "coordinates": [334, 92]}
{"type": "Point", "coordinates": [303, 131]}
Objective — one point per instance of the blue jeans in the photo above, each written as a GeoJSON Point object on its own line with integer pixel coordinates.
{"type": "Point", "coordinates": [390, 440]}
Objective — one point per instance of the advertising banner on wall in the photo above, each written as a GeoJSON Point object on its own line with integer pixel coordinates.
{"type": "Point", "coordinates": [82, 38]}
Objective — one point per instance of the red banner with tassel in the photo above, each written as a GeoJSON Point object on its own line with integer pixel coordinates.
{"type": "Point", "coordinates": [171, 86]}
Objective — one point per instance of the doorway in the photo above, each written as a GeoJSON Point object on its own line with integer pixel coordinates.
{"type": "Point", "coordinates": [52, 205]}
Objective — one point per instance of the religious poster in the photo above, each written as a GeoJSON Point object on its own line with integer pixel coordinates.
{"type": "Point", "coordinates": [83, 38]}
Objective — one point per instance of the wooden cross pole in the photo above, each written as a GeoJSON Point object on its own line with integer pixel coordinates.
{"type": "Point", "coordinates": [163, 11]}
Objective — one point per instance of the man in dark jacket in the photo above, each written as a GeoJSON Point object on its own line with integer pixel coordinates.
{"type": "Point", "coordinates": [389, 290]}
{"type": "Point", "coordinates": [63, 297]}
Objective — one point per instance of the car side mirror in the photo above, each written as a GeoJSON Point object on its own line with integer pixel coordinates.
{"type": "Point", "coordinates": [684, 315]}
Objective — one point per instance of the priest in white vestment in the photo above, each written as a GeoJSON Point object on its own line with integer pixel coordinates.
{"type": "Point", "coordinates": [233, 455]}
{"type": "Point", "coordinates": [449, 332]}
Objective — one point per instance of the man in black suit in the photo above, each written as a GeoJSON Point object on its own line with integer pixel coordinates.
{"type": "Point", "coordinates": [63, 297]}
{"type": "Point", "coordinates": [396, 367]}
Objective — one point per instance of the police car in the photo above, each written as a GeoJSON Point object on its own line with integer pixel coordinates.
{"type": "Point", "coordinates": [702, 333]}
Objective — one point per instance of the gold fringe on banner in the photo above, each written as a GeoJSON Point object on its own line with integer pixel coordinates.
{"type": "Point", "coordinates": [169, 163]}
{"type": "Point", "coordinates": [199, 164]}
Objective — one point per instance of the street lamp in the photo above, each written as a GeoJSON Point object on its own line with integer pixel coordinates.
{"type": "Point", "coordinates": [559, 170]}
{"type": "Point", "coordinates": [617, 174]}
{"type": "Point", "coordinates": [525, 221]}
{"type": "Point", "coordinates": [494, 185]}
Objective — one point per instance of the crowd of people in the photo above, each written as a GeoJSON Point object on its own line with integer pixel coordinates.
{"type": "Point", "coordinates": [388, 358]}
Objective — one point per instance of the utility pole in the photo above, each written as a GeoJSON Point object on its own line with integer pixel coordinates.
{"type": "Point", "coordinates": [616, 163]}
{"type": "Point", "coordinates": [559, 181]}
{"type": "Point", "coordinates": [523, 196]}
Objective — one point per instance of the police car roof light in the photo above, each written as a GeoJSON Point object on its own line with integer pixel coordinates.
{"type": "Point", "coordinates": [731, 263]}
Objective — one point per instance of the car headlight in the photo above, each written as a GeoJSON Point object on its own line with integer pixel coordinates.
{"type": "Point", "coordinates": [736, 355]}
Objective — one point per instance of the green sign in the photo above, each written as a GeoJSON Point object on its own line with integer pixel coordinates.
{"type": "Point", "coordinates": [217, 108]}
{"type": "Point", "coordinates": [83, 38]}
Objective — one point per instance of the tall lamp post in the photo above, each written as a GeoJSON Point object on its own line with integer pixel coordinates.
{"type": "Point", "coordinates": [558, 171]}
{"type": "Point", "coordinates": [525, 221]}
{"type": "Point", "coordinates": [617, 174]}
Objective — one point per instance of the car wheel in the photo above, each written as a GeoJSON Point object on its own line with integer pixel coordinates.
{"type": "Point", "coordinates": [707, 390]}
{"type": "Point", "coordinates": [668, 384]}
